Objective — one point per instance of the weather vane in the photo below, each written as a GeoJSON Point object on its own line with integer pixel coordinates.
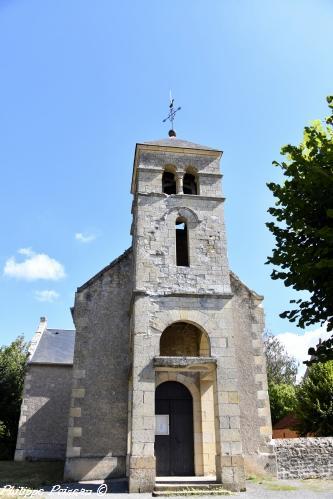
{"type": "Point", "coordinates": [171, 115]}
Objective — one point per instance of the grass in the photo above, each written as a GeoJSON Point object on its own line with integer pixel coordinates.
{"type": "Point", "coordinates": [270, 484]}
{"type": "Point", "coordinates": [314, 484]}
{"type": "Point", "coordinates": [32, 475]}
{"type": "Point", "coordinates": [278, 486]}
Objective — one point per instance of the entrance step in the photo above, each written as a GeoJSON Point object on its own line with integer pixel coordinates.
{"type": "Point", "coordinates": [196, 488]}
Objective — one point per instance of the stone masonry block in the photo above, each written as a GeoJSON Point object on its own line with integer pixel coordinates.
{"type": "Point", "coordinates": [73, 451]}
{"type": "Point", "coordinates": [75, 412]}
{"type": "Point", "coordinates": [78, 393]}
{"type": "Point", "coordinates": [230, 435]}
{"type": "Point", "coordinates": [75, 431]}
{"type": "Point", "coordinates": [233, 397]}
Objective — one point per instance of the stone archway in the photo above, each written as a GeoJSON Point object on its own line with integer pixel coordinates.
{"type": "Point", "coordinates": [184, 339]}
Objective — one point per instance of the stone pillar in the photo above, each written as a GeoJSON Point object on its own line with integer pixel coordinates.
{"type": "Point", "coordinates": [142, 467]}
{"type": "Point", "coordinates": [179, 184]}
{"type": "Point", "coordinates": [208, 422]}
{"type": "Point", "coordinates": [229, 457]}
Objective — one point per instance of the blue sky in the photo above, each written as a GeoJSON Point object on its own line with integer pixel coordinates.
{"type": "Point", "coordinates": [82, 82]}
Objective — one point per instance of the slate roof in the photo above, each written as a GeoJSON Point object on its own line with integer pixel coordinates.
{"type": "Point", "coordinates": [172, 142]}
{"type": "Point", "coordinates": [56, 346]}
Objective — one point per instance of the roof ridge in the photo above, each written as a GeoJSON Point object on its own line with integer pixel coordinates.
{"type": "Point", "coordinates": [180, 143]}
{"type": "Point", "coordinates": [105, 269]}
{"type": "Point", "coordinates": [59, 329]}
{"type": "Point", "coordinates": [251, 291]}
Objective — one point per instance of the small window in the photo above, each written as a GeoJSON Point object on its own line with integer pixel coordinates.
{"type": "Point", "coordinates": [190, 184]}
{"type": "Point", "coordinates": [168, 183]}
{"type": "Point", "coordinates": [182, 258]}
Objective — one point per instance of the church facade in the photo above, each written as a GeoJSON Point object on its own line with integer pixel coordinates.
{"type": "Point", "coordinates": [165, 373]}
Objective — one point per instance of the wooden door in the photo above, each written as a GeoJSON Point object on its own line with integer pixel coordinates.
{"type": "Point", "coordinates": [175, 452]}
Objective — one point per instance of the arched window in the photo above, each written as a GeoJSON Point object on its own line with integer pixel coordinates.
{"type": "Point", "coordinates": [190, 183]}
{"type": "Point", "coordinates": [169, 182]}
{"type": "Point", "coordinates": [182, 256]}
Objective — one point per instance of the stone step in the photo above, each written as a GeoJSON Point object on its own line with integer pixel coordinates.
{"type": "Point", "coordinates": [191, 488]}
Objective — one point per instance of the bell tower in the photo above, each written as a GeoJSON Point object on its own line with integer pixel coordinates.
{"type": "Point", "coordinates": [182, 329]}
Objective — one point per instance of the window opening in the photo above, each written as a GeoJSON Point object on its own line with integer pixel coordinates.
{"type": "Point", "coordinates": [190, 184]}
{"type": "Point", "coordinates": [182, 258]}
{"type": "Point", "coordinates": [168, 183]}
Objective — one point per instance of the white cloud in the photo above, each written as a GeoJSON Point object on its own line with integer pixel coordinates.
{"type": "Point", "coordinates": [46, 295]}
{"type": "Point", "coordinates": [35, 266]}
{"type": "Point", "coordinates": [297, 345]}
{"type": "Point", "coordinates": [26, 252]}
{"type": "Point", "coordinates": [85, 237]}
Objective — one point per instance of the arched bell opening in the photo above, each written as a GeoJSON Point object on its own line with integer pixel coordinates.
{"type": "Point", "coordinates": [190, 182]}
{"type": "Point", "coordinates": [169, 184]}
{"type": "Point", "coordinates": [184, 339]}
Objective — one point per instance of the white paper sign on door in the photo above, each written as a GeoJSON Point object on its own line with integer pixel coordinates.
{"type": "Point", "coordinates": [162, 424]}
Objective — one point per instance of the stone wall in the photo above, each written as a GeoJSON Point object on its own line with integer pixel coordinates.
{"type": "Point", "coordinates": [44, 413]}
{"type": "Point", "coordinates": [97, 433]}
{"type": "Point", "coordinates": [255, 415]}
{"type": "Point", "coordinates": [304, 457]}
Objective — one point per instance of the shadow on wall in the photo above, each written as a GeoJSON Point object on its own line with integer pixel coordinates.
{"type": "Point", "coordinates": [44, 413]}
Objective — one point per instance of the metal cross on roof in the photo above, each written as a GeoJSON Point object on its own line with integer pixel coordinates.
{"type": "Point", "coordinates": [171, 115]}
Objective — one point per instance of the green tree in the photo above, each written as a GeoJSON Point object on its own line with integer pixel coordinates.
{"type": "Point", "coordinates": [12, 369]}
{"type": "Point", "coordinates": [282, 398]}
{"type": "Point", "coordinates": [315, 400]}
{"type": "Point", "coordinates": [281, 368]}
{"type": "Point", "coordinates": [303, 228]}
{"type": "Point", "coordinates": [281, 376]}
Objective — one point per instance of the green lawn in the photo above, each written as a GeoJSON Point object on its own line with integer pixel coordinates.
{"type": "Point", "coordinates": [31, 474]}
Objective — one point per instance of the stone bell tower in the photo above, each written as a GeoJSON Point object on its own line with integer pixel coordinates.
{"type": "Point", "coordinates": [184, 416]}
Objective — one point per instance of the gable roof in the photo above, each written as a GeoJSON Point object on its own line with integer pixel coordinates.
{"type": "Point", "coordinates": [105, 269]}
{"type": "Point", "coordinates": [56, 346]}
{"type": "Point", "coordinates": [253, 293]}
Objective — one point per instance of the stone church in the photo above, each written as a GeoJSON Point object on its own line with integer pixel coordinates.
{"type": "Point", "coordinates": [165, 373]}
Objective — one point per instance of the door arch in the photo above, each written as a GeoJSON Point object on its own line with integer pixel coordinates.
{"type": "Point", "coordinates": [174, 448]}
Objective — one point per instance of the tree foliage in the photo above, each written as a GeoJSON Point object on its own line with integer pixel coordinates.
{"type": "Point", "coordinates": [315, 401]}
{"type": "Point", "coordinates": [303, 227]}
{"type": "Point", "coordinates": [281, 376]}
{"type": "Point", "coordinates": [322, 353]}
{"type": "Point", "coordinates": [281, 368]}
{"type": "Point", "coordinates": [12, 369]}
{"type": "Point", "coordinates": [283, 401]}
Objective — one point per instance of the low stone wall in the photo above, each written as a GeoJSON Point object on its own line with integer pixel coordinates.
{"type": "Point", "coordinates": [304, 457]}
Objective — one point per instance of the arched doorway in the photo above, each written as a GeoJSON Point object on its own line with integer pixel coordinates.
{"type": "Point", "coordinates": [174, 442]}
